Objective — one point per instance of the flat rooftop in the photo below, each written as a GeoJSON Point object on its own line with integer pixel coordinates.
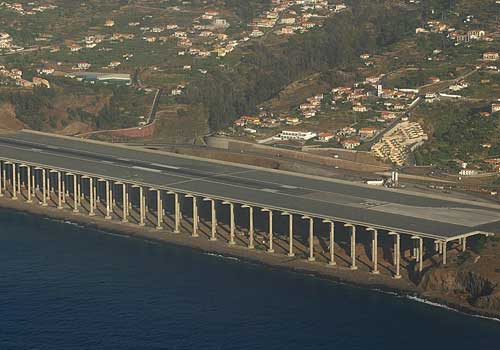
{"type": "Point", "coordinates": [432, 216]}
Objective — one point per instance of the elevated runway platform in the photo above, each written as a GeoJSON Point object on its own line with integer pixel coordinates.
{"type": "Point", "coordinates": [430, 216]}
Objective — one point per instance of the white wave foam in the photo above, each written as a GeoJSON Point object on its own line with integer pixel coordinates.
{"type": "Point", "coordinates": [222, 256]}
{"type": "Point", "coordinates": [442, 306]}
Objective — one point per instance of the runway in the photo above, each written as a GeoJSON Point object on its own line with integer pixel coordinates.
{"type": "Point", "coordinates": [386, 209]}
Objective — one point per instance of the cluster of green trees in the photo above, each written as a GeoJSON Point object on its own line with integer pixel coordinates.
{"type": "Point", "coordinates": [263, 71]}
{"type": "Point", "coordinates": [459, 132]}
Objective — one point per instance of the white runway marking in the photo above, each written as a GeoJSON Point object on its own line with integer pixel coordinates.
{"type": "Point", "coordinates": [147, 169]}
{"type": "Point", "coordinates": [268, 190]}
{"type": "Point", "coordinates": [165, 166]}
{"type": "Point", "coordinates": [289, 187]}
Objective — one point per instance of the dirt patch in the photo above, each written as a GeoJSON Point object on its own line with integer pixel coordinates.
{"type": "Point", "coordinates": [8, 120]}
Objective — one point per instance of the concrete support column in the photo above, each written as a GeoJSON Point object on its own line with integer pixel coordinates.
{"type": "Point", "coordinates": [353, 246]}
{"type": "Point", "coordinates": [142, 214]}
{"type": "Point", "coordinates": [419, 251]}
{"type": "Point", "coordinates": [28, 179]}
{"type": "Point", "coordinates": [19, 181]}
{"type": "Point", "coordinates": [332, 242]}
{"type": "Point", "coordinates": [291, 253]}
{"type": "Point", "coordinates": [444, 245]}
{"type": "Point", "coordinates": [2, 165]}
{"type": "Point", "coordinates": [177, 208]}
{"type": "Point", "coordinates": [59, 191]}
{"type": "Point", "coordinates": [231, 222]}
{"type": "Point", "coordinates": [195, 215]}
{"type": "Point", "coordinates": [464, 244]}
{"type": "Point", "coordinates": [75, 194]}
{"type": "Point", "coordinates": [213, 236]}
{"type": "Point", "coordinates": [79, 188]}
{"type": "Point", "coordinates": [397, 253]}
{"type": "Point", "coordinates": [108, 201]}
{"type": "Point", "coordinates": [33, 183]}
{"type": "Point", "coordinates": [14, 183]}
{"type": "Point", "coordinates": [124, 203]}
{"type": "Point", "coordinates": [91, 196]}
{"type": "Point", "coordinates": [250, 226]}
{"type": "Point", "coordinates": [63, 188]}
{"type": "Point", "coordinates": [311, 237]}
{"type": "Point", "coordinates": [374, 250]}
{"type": "Point", "coordinates": [44, 188]}
{"type": "Point", "coordinates": [4, 174]}
{"type": "Point", "coordinates": [159, 211]}
{"type": "Point", "coordinates": [270, 248]}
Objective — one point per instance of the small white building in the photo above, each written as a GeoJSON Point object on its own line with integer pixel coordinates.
{"type": "Point", "coordinates": [298, 135]}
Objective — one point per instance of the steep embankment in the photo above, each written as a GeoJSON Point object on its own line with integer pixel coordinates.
{"type": "Point", "coordinates": [8, 120]}
{"type": "Point", "coordinates": [472, 279]}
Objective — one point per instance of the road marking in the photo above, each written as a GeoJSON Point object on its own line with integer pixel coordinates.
{"type": "Point", "coordinates": [36, 149]}
{"type": "Point", "coordinates": [268, 190]}
{"type": "Point", "coordinates": [289, 187]}
{"type": "Point", "coordinates": [165, 166]}
{"type": "Point", "coordinates": [147, 169]}
{"type": "Point", "coordinates": [52, 147]}
{"type": "Point", "coordinates": [106, 161]}
{"type": "Point", "coordinates": [124, 159]}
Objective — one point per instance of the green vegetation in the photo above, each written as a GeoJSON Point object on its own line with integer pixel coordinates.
{"type": "Point", "coordinates": [458, 132]}
{"type": "Point", "coordinates": [264, 71]}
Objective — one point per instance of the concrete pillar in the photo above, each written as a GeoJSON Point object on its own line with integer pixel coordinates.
{"type": "Point", "coordinates": [177, 207]}
{"type": "Point", "coordinates": [214, 222]}
{"type": "Point", "coordinates": [270, 248]}
{"type": "Point", "coordinates": [14, 184]}
{"type": "Point", "coordinates": [108, 201]}
{"type": "Point", "coordinates": [353, 246]}
{"type": "Point", "coordinates": [464, 244]}
{"type": "Point", "coordinates": [444, 247]}
{"type": "Point", "coordinates": [63, 188]}
{"type": "Point", "coordinates": [142, 214]}
{"type": "Point", "coordinates": [231, 222]}
{"type": "Point", "coordinates": [94, 192]}
{"type": "Point", "coordinates": [19, 181]}
{"type": "Point", "coordinates": [59, 190]}
{"type": "Point", "coordinates": [44, 188]}
{"type": "Point", "coordinates": [397, 253]}
{"type": "Point", "coordinates": [2, 165]}
{"type": "Point", "coordinates": [213, 236]}
{"type": "Point", "coordinates": [159, 211]}
{"type": "Point", "coordinates": [311, 237]}
{"type": "Point", "coordinates": [75, 194]}
{"type": "Point", "coordinates": [91, 193]}
{"type": "Point", "coordinates": [28, 175]}
{"type": "Point", "coordinates": [419, 251]}
{"type": "Point", "coordinates": [195, 215]}
{"type": "Point", "coordinates": [291, 253]}
{"type": "Point", "coordinates": [421, 254]}
{"type": "Point", "coordinates": [33, 183]}
{"type": "Point", "coordinates": [124, 203]}
{"type": "Point", "coordinates": [374, 250]}
{"type": "Point", "coordinates": [4, 176]}
{"type": "Point", "coordinates": [79, 188]}
{"type": "Point", "coordinates": [250, 226]}
{"type": "Point", "coordinates": [332, 244]}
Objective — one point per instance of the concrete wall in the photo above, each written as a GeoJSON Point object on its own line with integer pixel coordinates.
{"type": "Point", "coordinates": [242, 146]}
{"type": "Point", "coordinates": [135, 132]}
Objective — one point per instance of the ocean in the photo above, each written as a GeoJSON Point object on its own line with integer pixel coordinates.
{"type": "Point", "coordinates": [63, 286]}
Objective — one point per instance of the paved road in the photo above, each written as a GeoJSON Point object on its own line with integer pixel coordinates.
{"type": "Point", "coordinates": [404, 212]}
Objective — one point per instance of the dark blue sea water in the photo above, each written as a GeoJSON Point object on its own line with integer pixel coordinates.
{"type": "Point", "coordinates": [68, 287]}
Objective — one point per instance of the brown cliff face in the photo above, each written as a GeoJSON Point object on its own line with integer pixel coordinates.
{"type": "Point", "coordinates": [471, 279]}
{"type": "Point", "coordinates": [468, 286]}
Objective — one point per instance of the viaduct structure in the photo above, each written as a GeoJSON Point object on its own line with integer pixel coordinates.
{"type": "Point", "coordinates": [170, 192]}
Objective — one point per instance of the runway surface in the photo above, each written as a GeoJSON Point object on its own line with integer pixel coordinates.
{"type": "Point", "coordinates": [395, 210]}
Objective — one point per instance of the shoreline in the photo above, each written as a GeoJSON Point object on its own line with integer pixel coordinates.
{"type": "Point", "coordinates": [359, 279]}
